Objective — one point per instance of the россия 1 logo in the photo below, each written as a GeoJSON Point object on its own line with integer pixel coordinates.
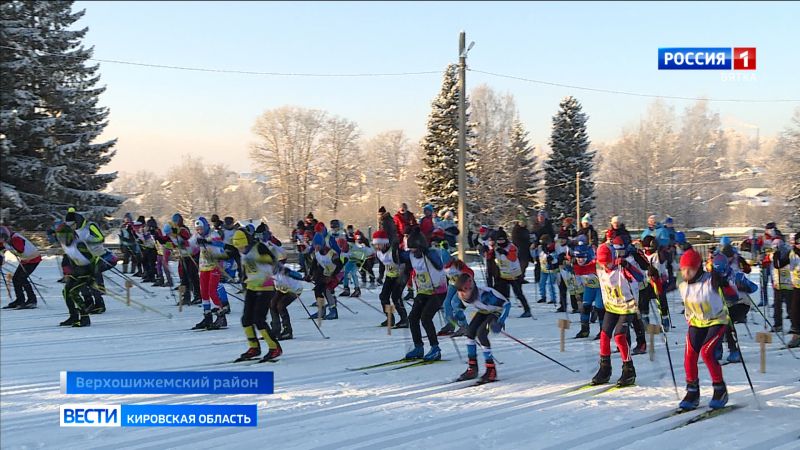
{"type": "Point", "coordinates": [707, 58]}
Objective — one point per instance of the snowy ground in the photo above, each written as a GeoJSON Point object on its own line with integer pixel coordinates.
{"type": "Point", "coordinates": [319, 404]}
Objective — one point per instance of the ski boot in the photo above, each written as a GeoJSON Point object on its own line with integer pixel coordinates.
{"type": "Point", "coordinates": [28, 305]}
{"type": "Point", "coordinates": [332, 314]}
{"type": "Point", "coordinates": [720, 398]}
{"type": "Point", "coordinates": [379, 281]}
{"type": "Point", "coordinates": [286, 334]}
{"type": "Point", "coordinates": [372, 284]}
{"type": "Point", "coordinates": [795, 342]}
{"type": "Point", "coordinates": [221, 321]}
{"type": "Point", "coordinates": [490, 374]}
{"type": "Point", "coordinates": [446, 330]}
{"type": "Point", "coordinates": [542, 300]}
{"type": "Point", "coordinates": [735, 356]}
{"type": "Point", "coordinates": [70, 321]}
{"type": "Point", "coordinates": [251, 353]}
{"type": "Point", "coordinates": [628, 377]}
{"type": "Point", "coordinates": [461, 331]}
{"type": "Point", "coordinates": [158, 283]}
{"type": "Point", "coordinates": [205, 323]}
{"type": "Point", "coordinates": [665, 324]}
{"type": "Point", "coordinates": [597, 336]}
{"type": "Point", "coordinates": [584, 333]}
{"type": "Point", "coordinates": [604, 373]}
{"type": "Point", "coordinates": [435, 354]}
{"type": "Point", "coordinates": [99, 306]}
{"type": "Point", "coordinates": [403, 323]}
{"type": "Point", "coordinates": [356, 292]}
{"type": "Point", "coordinates": [83, 322]}
{"type": "Point", "coordinates": [416, 353]}
{"type": "Point", "coordinates": [318, 313]}
{"type": "Point", "coordinates": [640, 349]}
{"type": "Point", "coordinates": [692, 398]}
{"type": "Point", "coordinates": [272, 354]}
{"type": "Point", "coordinates": [593, 316]}
{"type": "Point", "coordinates": [472, 370]}
{"type": "Point", "coordinates": [385, 323]}
{"type": "Point", "coordinates": [13, 305]}
{"type": "Point", "coordinates": [525, 314]}
{"type": "Point", "coordinates": [561, 309]}
{"type": "Point", "coordinates": [345, 292]}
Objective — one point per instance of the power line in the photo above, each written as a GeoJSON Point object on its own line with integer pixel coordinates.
{"type": "Point", "coordinates": [734, 180]}
{"type": "Point", "coordinates": [634, 94]}
{"type": "Point", "coordinates": [240, 72]}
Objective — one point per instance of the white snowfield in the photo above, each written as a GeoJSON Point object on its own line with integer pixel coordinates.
{"type": "Point", "coordinates": [318, 404]}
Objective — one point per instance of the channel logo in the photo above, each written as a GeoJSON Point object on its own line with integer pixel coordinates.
{"type": "Point", "coordinates": [91, 415]}
{"type": "Point", "coordinates": [707, 58]}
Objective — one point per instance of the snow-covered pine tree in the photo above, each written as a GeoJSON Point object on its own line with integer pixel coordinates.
{"type": "Point", "coordinates": [438, 180]}
{"type": "Point", "coordinates": [570, 154]}
{"type": "Point", "coordinates": [524, 174]}
{"type": "Point", "coordinates": [50, 117]}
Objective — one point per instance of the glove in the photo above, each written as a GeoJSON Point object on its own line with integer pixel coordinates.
{"type": "Point", "coordinates": [497, 326]}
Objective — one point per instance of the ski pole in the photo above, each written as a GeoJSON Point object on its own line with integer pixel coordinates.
{"type": "Point", "coordinates": [313, 321]}
{"type": "Point", "coordinates": [8, 289]}
{"type": "Point", "coordinates": [339, 302]}
{"type": "Point", "coordinates": [123, 300]}
{"type": "Point", "coordinates": [744, 366]}
{"type": "Point", "coordinates": [666, 345]}
{"type": "Point", "coordinates": [452, 339]}
{"type": "Point", "coordinates": [369, 304]}
{"type": "Point", "coordinates": [537, 351]}
{"type": "Point", "coordinates": [768, 323]}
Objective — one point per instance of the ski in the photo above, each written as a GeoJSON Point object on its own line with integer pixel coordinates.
{"type": "Point", "coordinates": [419, 363]}
{"type": "Point", "coordinates": [711, 413]}
{"type": "Point", "coordinates": [388, 363]}
{"type": "Point", "coordinates": [260, 361]}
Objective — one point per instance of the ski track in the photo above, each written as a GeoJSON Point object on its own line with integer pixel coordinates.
{"type": "Point", "coordinates": [319, 404]}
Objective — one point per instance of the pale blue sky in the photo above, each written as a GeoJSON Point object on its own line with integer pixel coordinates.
{"type": "Point", "coordinates": [160, 114]}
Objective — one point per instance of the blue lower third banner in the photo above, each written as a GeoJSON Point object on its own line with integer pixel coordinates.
{"type": "Point", "coordinates": [91, 415]}
{"type": "Point", "coordinates": [167, 382]}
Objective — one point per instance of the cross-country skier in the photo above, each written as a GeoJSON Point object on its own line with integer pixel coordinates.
{"type": "Point", "coordinates": [585, 268]}
{"type": "Point", "coordinates": [394, 261]}
{"type": "Point", "coordinates": [453, 307]}
{"type": "Point", "coordinates": [259, 265]}
{"type": "Point", "coordinates": [492, 311]}
{"type": "Point", "coordinates": [702, 294]}
{"type": "Point", "coordinates": [619, 283]}
{"type": "Point", "coordinates": [79, 273]}
{"type": "Point", "coordinates": [28, 259]}
{"type": "Point", "coordinates": [431, 287]}
{"type": "Point", "coordinates": [89, 233]}
{"type": "Point", "coordinates": [510, 270]}
{"type": "Point", "coordinates": [212, 251]}
{"type": "Point", "coordinates": [326, 273]}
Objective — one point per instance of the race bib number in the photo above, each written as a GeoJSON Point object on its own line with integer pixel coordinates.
{"type": "Point", "coordinates": [424, 282]}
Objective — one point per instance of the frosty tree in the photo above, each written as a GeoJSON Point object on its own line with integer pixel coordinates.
{"type": "Point", "coordinates": [439, 178]}
{"type": "Point", "coordinates": [50, 118]}
{"type": "Point", "coordinates": [570, 154]}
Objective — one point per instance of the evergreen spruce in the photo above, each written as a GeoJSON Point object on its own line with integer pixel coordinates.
{"type": "Point", "coordinates": [524, 175]}
{"type": "Point", "coordinates": [570, 154]}
{"type": "Point", "coordinates": [438, 180]}
{"type": "Point", "coordinates": [49, 116]}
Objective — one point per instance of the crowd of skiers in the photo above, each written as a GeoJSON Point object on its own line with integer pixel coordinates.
{"type": "Point", "coordinates": [613, 278]}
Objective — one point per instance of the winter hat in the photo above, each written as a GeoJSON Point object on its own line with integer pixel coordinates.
{"type": "Point", "coordinates": [240, 239]}
{"type": "Point", "coordinates": [449, 215]}
{"type": "Point", "coordinates": [141, 220]}
{"type": "Point", "coordinates": [380, 238]}
{"type": "Point", "coordinates": [618, 243]}
{"type": "Point", "coordinates": [177, 219]}
{"type": "Point", "coordinates": [152, 224]}
{"type": "Point", "coordinates": [300, 225]}
{"type": "Point", "coordinates": [483, 230]}
{"type": "Point", "coordinates": [335, 224]}
{"type": "Point", "coordinates": [691, 259]}
{"type": "Point", "coordinates": [501, 236]}
{"type": "Point", "coordinates": [128, 217]}
{"type": "Point", "coordinates": [680, 237]}
{"type": "Point", "coordinates": [583, 239]}
{"type": "Point", "coordinates": [427, 207]}
{"type": "Point", "coordinates": [586, 219]}
{"type": "Point", "coordinates": [166, 229]}
{"type": "Point", "coordinates": [202, 223]}
{"type": "Point", "coordinates": [319, 240]}
{"type": "Point", "coordinates": [615, 220]}
{"type": "Point", "coordinates": [542, 214]}
{"type": "Point", "coordinates": [649, 242]}
{"type": "Point", "coordinates": [581, 251]}
{"type": "Point", "coordinates": [463, 281]}
{"type": "Point", "coordinates": [668, 220]}
{"type": "Point", "coordinates": [382, 210]}
{"type": "Point", "coordinates": [725, 240]}
{"type": "Point", "coordinates": [309, 216]}
{"type": "Point", "coordinates": [215, 219]}
{"type": "Point", "coordinates": [720, 264]}
{"type": "Point", "coordinates": [652, 217]}
{"type": "Point", "coordinates": [604, 256]}
{"type": "Point", "coordinates": [229, 223]}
